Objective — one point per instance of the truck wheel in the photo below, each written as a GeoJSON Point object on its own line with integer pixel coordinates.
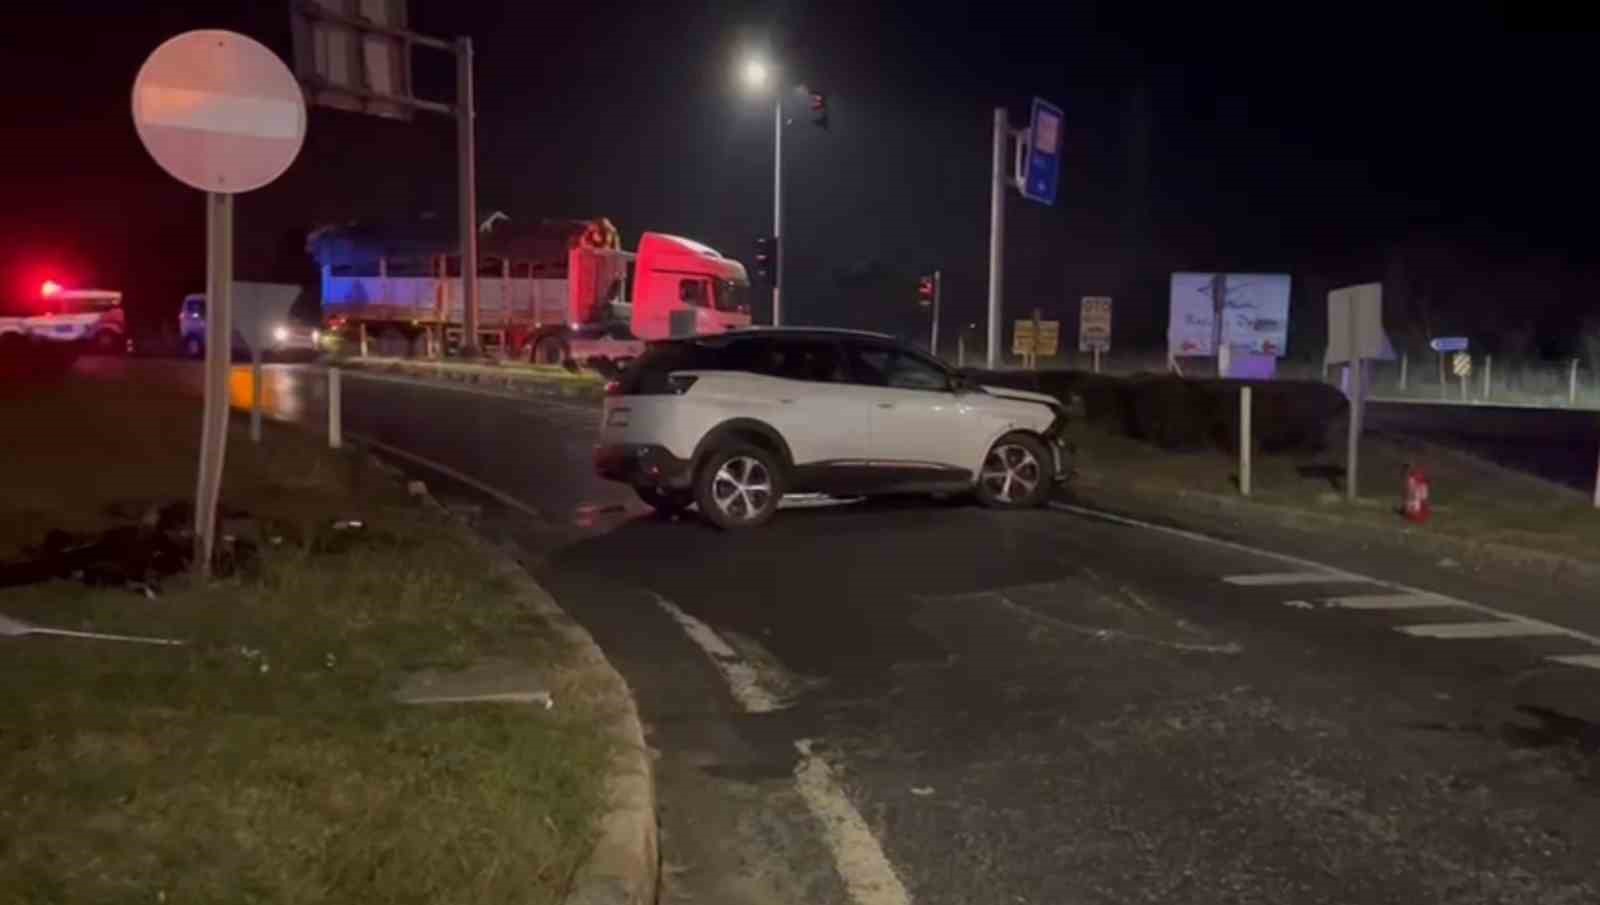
{"type": "Point", "coordinates": [193, 347]}
{"type": "Point", "coordinates": [108, 342]}
{"type": "Point", "coordinates": [1016, 473]}
{"type": "Point", "coordinates": [739, 486]}
{"type": "Point", "coordinates": [551, 350]}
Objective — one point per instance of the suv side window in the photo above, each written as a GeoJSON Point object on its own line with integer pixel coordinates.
{"type": "Point", "coordinates": [753, 356]}
{"type": "Point", "coordinates": [813, 360]}
{"type": "Point", "coordinates": [886, 366]}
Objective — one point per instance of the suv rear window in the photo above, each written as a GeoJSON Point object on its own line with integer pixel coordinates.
{"type": "Point", "coordinates": [648, 375]}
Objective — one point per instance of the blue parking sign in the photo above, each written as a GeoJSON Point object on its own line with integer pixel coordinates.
{"type": "Point", "coordinates": [1042, 171]}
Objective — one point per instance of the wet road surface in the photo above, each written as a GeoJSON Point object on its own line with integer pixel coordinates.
{"type": "Point", "coordinates": [916, 701]}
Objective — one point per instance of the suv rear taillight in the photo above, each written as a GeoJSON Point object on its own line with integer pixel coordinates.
{"type": "Point", "coordinates": [678, 384]}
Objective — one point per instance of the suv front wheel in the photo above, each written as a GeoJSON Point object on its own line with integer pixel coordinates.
{"type": "Point", "coordinates": [739, 487]}
{"type": "Point", "coordinates": [1015, 474]}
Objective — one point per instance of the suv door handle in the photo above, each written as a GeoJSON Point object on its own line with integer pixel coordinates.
{"type": "Point", "coordinates": [787, 401]}
{"type": "Point", "coordinates": [886, 405]}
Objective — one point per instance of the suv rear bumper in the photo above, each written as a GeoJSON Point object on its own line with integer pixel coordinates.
{"type": "Point", "coordinates": [643, 465]}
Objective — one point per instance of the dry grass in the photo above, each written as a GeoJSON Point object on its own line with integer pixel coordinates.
{"type": "Point", "coordinates": [1472, 498]}
{"type": "Point", "coordinates": [266, 760]}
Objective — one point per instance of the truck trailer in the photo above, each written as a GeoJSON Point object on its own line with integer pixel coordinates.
{"type": "Point", "coordinates": [561, 293]}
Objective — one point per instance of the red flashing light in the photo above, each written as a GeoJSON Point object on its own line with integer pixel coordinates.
{"type": "Point", "coordinates": [50, 289]}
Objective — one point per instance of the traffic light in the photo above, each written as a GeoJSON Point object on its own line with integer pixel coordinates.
{"type": "Point", "coordinates": [767, 260]}
{"type": "Point", "coordinates": [927, 286]}
{"type": "Point", "coordinates": [818, 105]}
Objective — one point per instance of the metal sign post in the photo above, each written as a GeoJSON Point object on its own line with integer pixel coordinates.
{"type": "Point", "coordinates": [221, 113]}
{"type": "Point", "coordinates": [997, 235]}
{"type": "Point", "coordinates": [344, 81]}
{"type": "Point", "coordinates": [1355, 334]}
{"type": "Point", "coordinates": [1038, 178]}
{"type": "Point", "coordinates": [933, 337]}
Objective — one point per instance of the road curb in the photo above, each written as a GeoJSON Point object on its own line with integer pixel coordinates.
{"type": "Point", "coordinates": [624, 866]}
{"type": "Point", "coordinates": [1535, 563]}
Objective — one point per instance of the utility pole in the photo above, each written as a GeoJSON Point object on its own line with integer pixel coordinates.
{"type": "Point", "coordinates": [467, 168]}
{"type": "Point", "coordinates": [997, 234]}
{"type": "Point", "coordinates": [1219, 301]}
{"type": "Point", "coordinates": [938, 289]}
{"type": "Point", "coordinates": [777, 210]}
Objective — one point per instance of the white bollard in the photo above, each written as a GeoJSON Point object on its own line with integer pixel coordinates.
{"type": "Point", "coordinates": [1488, 372]}
{"type": "Point", "coordinates": [335, 411]}
{"type": "Point", "coordinates": [1244, 441]}
{"type": "Point", "coordinates": [1405, 361]}
{"type": "Point", "coordinates": [1572, 384]}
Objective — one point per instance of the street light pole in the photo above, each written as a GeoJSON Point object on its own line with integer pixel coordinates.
{"type": "Point", "coordinates": [997, 234]}
{"type": "Point", "coordinates": [777, 209]}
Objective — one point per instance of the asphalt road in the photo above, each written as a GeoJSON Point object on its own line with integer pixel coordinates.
{"type": "Point", "coordinates": [910, 701]}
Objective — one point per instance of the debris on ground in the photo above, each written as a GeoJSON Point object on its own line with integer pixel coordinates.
{"type": "Point", "coordinates": [156, 544]}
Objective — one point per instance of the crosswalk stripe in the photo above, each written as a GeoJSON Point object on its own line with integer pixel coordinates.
{"type": "Point", "coordinates": [1510, 628]}
{"type": "Point", "coordinates": [1388, 602]}
{"type": "Point", "coordinates": [1590, 660]}
{"type": "Point", "coordinates": [1268, 579]}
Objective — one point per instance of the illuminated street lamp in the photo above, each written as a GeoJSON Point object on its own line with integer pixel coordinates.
{"type": "Point", "coordinates": [757, 74]}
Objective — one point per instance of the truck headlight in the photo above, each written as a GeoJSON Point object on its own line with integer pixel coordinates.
{"type": "Point", "coordinates": [280, 334]}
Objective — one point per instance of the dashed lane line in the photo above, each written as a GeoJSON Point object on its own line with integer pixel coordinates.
{"type": "Point", "coordinates": [1592, 661]}
{"type": "Point", "coordinates": [743, 680]}
{"type": "Point", "coordinates": [1388, 602]}
{"type": "Point", "coordinates": [868, 875]}
{"type": "Point", "coordinates": [1510, 628]}
{"type": "Point", "coordinates": [857, 855]}
{"type": "Point", "coordinates": [1331, 573]}
{"type": "Point", "coordinates": [1274, 579]}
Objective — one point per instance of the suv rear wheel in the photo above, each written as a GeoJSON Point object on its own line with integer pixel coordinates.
{"type": "Point", "coordinates": [1015, 474]}
{"type": "Point", "coordinates": [739, 487]}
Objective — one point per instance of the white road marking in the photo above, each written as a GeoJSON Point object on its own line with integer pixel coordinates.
{"type": "Point", "coordinates": [743, 680]}
{"type": "Point", "coordinates": [1273, 579]}
{"type": "Point", "coordinates": [1511, 628]}
{"type": "Point", "coordinates": [1590, 660]}
{"type": "Point", "coordinates": [858, 857]}
{"type": "Point", "coordinates": [1306, 564]}
{"type": "Point", "coordinates": [1388, 602]}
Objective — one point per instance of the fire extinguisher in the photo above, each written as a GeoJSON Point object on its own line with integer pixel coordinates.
{"type": "Point", "coordinates": [1415, 505]}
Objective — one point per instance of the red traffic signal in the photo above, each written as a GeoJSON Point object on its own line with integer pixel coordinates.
{"type": "Point", "coordinates": [767, 260]}
{"type": "Point", "coordinates": [927, 287]}
{"type": "Point", "coordinates": [818, 105]}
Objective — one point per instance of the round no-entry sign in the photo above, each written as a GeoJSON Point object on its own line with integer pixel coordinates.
{"type": "Point", "coordinates": [219, 112]}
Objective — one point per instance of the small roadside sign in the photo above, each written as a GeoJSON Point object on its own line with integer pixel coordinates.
{"type": "Point", "coordinates": [1461, 364]}
{"type": "Point", "coordinates": [1094, 324]}
{"type": "Point", "coordinates": [1042, 168]}
{"type": "Point", "coordinates": [1023, 340]}
{"type": "Point", "coordinates": [1449, 344]}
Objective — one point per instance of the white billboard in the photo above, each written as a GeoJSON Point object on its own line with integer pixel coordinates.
{"type": "Point", "coordinates": [1255, 314]}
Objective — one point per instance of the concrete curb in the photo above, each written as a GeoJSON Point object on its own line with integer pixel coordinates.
{"type": "Point", "coordinates": [625, 866]}
{"type": "Point", "coordinates": [1535, 563]}
{"type": "Point", "coordinates": [506, 379]}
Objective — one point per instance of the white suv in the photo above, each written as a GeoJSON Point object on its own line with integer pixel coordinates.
{"type": "Point", "coordinates": [734, 421]}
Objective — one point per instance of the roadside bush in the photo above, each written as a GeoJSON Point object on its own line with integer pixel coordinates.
{"type": "Point", "coordinates": [1187, 414]}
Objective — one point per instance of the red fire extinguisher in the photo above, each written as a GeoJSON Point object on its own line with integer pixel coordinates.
{"type": "Point", "coordinates": [1415, 505]}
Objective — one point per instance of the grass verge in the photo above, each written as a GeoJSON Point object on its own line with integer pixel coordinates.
{"type": "Point", "coordinates": [1473, 499]}
{"type": "Point", "coordinates": [266, 760]}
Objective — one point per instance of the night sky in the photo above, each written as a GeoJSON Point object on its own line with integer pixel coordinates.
{"type": "Point", "coordinates": [1444, 149]}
